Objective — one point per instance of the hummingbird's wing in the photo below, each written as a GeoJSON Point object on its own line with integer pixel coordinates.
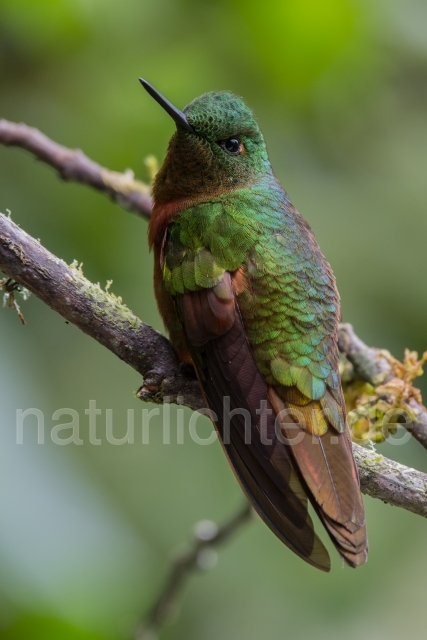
{"type": "Point", "coordinates": [228, 374]}
{"type": "Point", "coordinates": [290, 309]}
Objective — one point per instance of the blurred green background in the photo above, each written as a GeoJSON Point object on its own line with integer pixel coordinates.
{"type": "Point", "coordinates": [340, 91]}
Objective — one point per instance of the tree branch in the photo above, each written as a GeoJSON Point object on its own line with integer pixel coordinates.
{"type": "Point", "coordinates": [106, 319]}
{"type": "Point", "coordinates": [391, 482]}
{"type": "Point", "coordinates": [99, 314]}
{"type": "Point", "coordinates": [372, 366]}
{"type": "Point", "coordinates": [73, 166]}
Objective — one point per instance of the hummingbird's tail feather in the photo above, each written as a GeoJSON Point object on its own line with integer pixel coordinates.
{"type": "Point", "coordinates": [269, 504]}
{"type": "Point", "coordinates": [236, 391]}
{"type": "Point", "coordinates": [325, 462]}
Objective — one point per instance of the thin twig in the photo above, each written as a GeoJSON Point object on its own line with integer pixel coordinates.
{"type": "Point", "coordinates": [207, 536]}
{"type": "Point", "coordinates": [72, 165]}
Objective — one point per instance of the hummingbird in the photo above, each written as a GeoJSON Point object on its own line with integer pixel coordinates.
{"type": "Point", "coordinates": [249, 300]}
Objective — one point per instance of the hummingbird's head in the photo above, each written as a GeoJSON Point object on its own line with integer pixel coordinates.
{"type": "Point", "coordinates": [217, 147]}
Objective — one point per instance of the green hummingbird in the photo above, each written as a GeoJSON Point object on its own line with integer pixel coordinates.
{"type": "Point", "coordinates": [250, 301]}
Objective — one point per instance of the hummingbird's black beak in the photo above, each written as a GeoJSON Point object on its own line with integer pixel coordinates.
{"type": "Point", "coordinates": [174, 113]}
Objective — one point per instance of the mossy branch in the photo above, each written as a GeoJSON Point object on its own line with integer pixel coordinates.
{"type": "Point", "coordinates": [390, 380]}
{"type": "Point", "coordinates": [106, 319]}
{"type": "Point", "coordinates": [72, 165]}
{"type": "Point", "coordinates": [98, 313]}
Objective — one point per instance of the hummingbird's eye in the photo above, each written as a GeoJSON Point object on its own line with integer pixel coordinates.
{"type": "Point", "coordinates": [232, 145]}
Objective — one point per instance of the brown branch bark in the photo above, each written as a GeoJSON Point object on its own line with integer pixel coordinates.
{"type": "Point", "coordinates": [72, 165]}
{"type": "Point", "coordinates": [103, 317]}
{"type": "Point", "coordinates": [98, 313]}
{"type": "Point", "coordinates": [390, 481]}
